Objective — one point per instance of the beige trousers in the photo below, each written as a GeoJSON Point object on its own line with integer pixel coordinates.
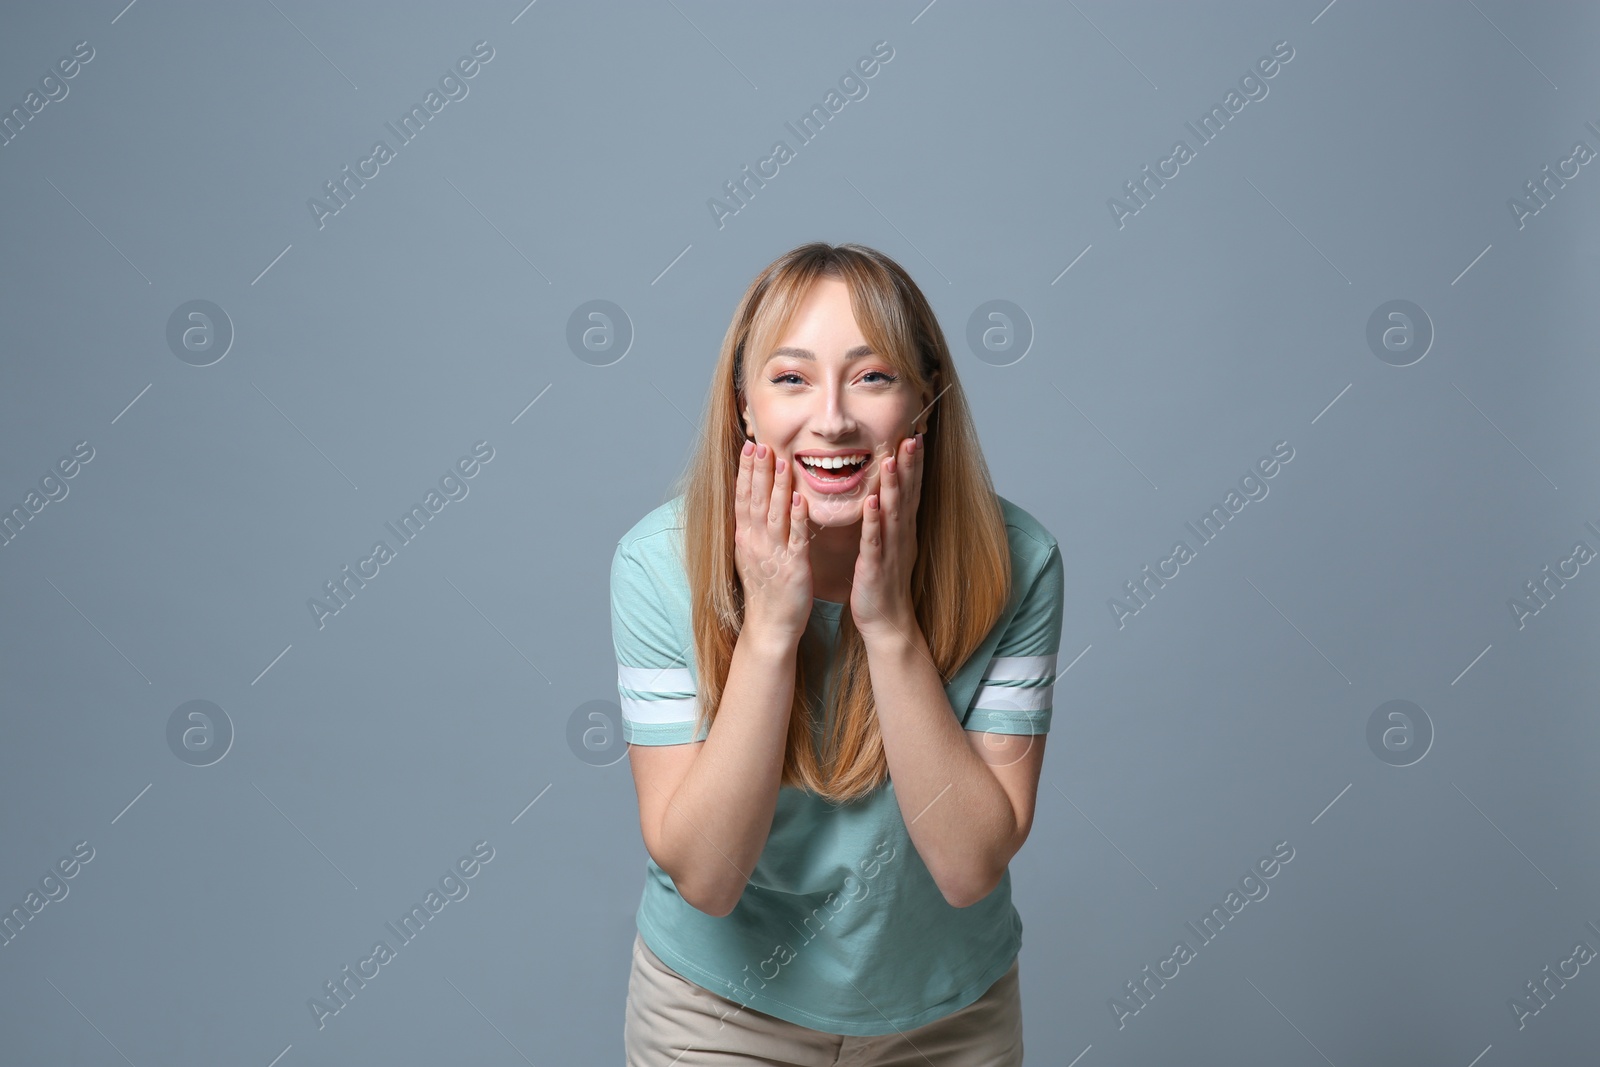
{"type": "Point", "coordinates": [673, 1022]}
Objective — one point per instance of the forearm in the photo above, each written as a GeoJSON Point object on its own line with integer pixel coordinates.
{"type": "Point", "coordinates": [718, 820]}
{"type": "Point", "coordinates": [958, 815]}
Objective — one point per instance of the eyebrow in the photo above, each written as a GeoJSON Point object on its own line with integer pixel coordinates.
{"type": "Point", "coordinates": [806, 353]}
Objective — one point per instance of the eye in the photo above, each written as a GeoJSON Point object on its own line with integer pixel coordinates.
{"type": "Point", "coordinates": [782, 379]}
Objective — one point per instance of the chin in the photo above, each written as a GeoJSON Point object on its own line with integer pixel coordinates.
{"type": "Point", "coordinates": [828, 512]}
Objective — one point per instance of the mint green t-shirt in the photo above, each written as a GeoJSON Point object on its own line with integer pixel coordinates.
{"type": "Point", "coordinates": [841, 927]}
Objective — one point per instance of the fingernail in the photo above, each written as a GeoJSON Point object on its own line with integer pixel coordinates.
{"type": "Point", "coordinates": [749, 447]}
{"type": "Point", "coordinates": [919, 442]}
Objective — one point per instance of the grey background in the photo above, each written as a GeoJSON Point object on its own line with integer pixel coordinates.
{"type": "Point", "coordinates": [438, 707]}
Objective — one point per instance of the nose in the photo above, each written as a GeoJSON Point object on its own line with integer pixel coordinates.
{"type": "Point", "coordinates": [833, 419]}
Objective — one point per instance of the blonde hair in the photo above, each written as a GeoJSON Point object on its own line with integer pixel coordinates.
{"type": "Point", "coordinates": [962, 577]}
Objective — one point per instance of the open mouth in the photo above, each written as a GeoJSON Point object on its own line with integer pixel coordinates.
{"type": "Point", "coordinates": [833, 479]}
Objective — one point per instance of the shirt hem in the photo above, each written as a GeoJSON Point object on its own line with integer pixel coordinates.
{"type": "Point", "coordinates": [799, 1016]}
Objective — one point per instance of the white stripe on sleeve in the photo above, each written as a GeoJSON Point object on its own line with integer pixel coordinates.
{"type": "Point", "coordinates": [1034, 683]}
{"type": "Point", "coordinates": [657, 695]}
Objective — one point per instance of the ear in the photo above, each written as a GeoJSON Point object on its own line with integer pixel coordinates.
{"type": "Point", "coordinates": [928, 399]}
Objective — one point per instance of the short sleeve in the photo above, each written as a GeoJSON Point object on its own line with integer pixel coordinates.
{"type": "Point", "coordinates": [1016, 694]}
{"type": "Point", "coordinates": [655, 687]}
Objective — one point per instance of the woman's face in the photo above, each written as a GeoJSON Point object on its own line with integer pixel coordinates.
{"type": "Point", "coordinates": [823, 391]}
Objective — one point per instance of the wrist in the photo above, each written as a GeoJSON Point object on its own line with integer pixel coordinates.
{"type": "Point", "coordinates": [900, 638]}
{"type": "Point", "coordinates": [769, 643]}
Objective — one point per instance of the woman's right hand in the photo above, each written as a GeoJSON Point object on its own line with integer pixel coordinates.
{"type": "Point", "coordinates": [772, 550]}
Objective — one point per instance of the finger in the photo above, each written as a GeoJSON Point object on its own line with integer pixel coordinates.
{"type": "Point", "coordinates": [889, 489]}
{"type": "Point", "coordinates": [914, 478]}
{"type": "Point", "coordinates": [741, 488]}
{"type": "Point", "coordinates": [778, 508]}
{"type": "Point", "coordinates": [761, 484]}
{"type": "Point", "coordinates": [797, 523]}
{"type": "Point", "coordinates": [871, 522]}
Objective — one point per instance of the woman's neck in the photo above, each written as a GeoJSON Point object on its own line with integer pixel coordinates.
{"type": "Point", "coordinates": [833, 561]}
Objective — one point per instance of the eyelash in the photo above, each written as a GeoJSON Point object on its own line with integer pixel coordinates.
{"type": "Point", "coordinates": [779, 380]}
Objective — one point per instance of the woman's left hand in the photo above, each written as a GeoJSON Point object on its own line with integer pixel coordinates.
{"type": "Point", "coordinates": [880, 597]}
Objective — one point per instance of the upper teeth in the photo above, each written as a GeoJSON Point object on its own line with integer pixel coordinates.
{"type": "Point", "coordinates": [831, 462]}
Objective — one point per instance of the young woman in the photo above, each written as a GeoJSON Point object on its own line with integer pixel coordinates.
{"type": "Point", "coordinates": [836, 653]}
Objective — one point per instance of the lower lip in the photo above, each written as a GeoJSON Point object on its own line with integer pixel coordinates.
{"type": "Point", "coordinates": [834, 485]}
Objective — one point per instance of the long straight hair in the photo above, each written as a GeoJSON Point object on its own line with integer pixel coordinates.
{"type": "Point", "coordinates": [961, 580]}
